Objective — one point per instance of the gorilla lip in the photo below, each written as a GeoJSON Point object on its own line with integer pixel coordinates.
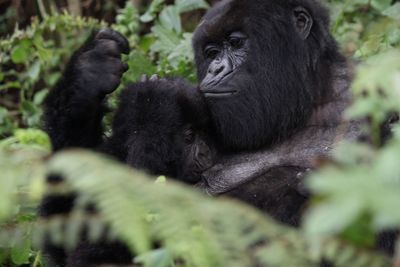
{"type": "Point", "coordinates": [215, 93]}
{"type": "Point", "coordinates": [220, 94]}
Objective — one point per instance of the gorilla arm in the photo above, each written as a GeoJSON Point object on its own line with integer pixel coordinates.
{"type": "Point", "coordinates": [301, 151]}
{"type": "Point", "coordinates": [74, 108]}
{"type": "Point", "coordinates": [272, 179]}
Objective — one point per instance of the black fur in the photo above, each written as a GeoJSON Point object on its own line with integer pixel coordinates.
{"type": "Point", "coordinates": [282, 83]}
{"type": "Point", "coordinates": [160, 126]}
{"type": "Point", "coordinates": [283, 78]}
{"type": "Point", "coordinates": [286, 79]}
{"type": "Point", "coordinates": [74, 108]}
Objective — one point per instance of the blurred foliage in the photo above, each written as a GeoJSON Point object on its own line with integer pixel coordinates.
{"type": "Point", "coordinates": [354, 198]}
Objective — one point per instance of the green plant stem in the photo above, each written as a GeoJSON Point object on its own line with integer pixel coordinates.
{"type": "Point", "coordinates": [42, 8]}
{"type": "Point", "coordinates": [37, 259]}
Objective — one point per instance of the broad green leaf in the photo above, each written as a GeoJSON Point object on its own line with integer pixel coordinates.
{"type": "Point", "coordinates": [393, 11]}
{"type": "Point", "coordinates": [155, 258]}
{"type": "Point", "coordinates": [19, 54]}
{"type": "Point", "coordinates": [189, 5]}
{"type": "Point", "coordinates": [381, 5]}
{"type": "Point", "coordinates": [34, 71]}
{"type": "Point", "coordinates": [20, 254]}
{"type": "Point", "coordinates": [170, 19]}
{"type": "Point", "coordinates": [32, 136]}
{"type": "Point", "coordinates": [151, 12]}
{"type": "Point", "coordinates": [40, 96]}
{"type": "Point", "coordinates": [332, 217]}
{"type": "Point", "coordinates": [10, 85]}
{"type": "Point", "coordinates": [161, 180]}
{"type": "Point", "coordinates": [3, 254]}
{"type": "Point", "coordinates": [139, 64]}
{"type": "Point", "coordinates": [167, 41]}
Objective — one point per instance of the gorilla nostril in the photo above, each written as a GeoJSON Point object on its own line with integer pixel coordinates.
{"type": "Point", "coordinates": [217, 70]}
{"type": "Point", "coordinates": [220, 69]}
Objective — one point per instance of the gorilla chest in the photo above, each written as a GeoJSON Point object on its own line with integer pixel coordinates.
{"type": "Point", "coordinates": [279, 193]}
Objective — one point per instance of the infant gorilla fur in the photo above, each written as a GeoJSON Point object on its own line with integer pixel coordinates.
{"type": "Point", "coordinates": [160, 127]}
{"type": "Point", "coordinates": [162, 121]}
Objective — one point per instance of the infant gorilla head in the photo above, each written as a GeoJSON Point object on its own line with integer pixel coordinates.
{"type": "Point", "coordinates": [163, 123]}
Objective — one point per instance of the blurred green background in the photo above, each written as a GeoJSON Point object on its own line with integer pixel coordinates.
{"type": "Point", "coordinates": [355, 199]}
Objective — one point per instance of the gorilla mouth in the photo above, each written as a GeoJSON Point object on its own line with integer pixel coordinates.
{"type": "Point", "coordinates": [210, 89]}
{"type": "Point", "coordinates": [218, 94]}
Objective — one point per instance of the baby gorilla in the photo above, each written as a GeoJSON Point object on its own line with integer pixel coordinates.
{"type": "Point", "coordinates": [159, 127]}
{"type": "Point", "coordinates": [156, 129]}
{"type": "Point", "coordinates": [160, 124]}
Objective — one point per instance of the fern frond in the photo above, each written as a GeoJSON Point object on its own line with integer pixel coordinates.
{"type": "Point", "coordinates": [195, 229]}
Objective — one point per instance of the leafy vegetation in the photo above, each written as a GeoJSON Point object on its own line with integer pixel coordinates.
{"type": "Point", "coordinates": [355, 197]}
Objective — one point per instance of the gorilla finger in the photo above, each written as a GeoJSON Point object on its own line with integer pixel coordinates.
{"type": "Point", "coordinates": [115, 66]}
{"type": "Point", "coordinates": [110, 34]}
{"type": "Point", "coordinates": [108, 47]}
{"type": "Point", "coordinates": [115, 80]}
{"type": "Point", "coordinates": [143, 78]}
{"type": "Point", "coordinates": [154, 77]}
{"type": "Point", "coordinates": [125, 67]}
{"type": "Point", "coordinates": [97, 62]}
{"type": "Point", "coordinates": [111, 82]}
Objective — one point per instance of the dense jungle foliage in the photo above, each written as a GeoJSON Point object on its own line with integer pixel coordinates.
{"type": "Point", "coordinates": [355, 198]}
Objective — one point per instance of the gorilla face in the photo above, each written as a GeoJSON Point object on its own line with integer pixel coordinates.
{"type": "Point", "coordinates": [225, 61]}
{"type": "Point", "coordinates": [257, 63]}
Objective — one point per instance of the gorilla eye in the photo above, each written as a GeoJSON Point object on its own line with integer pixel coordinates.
{"type": "Point", "coordinates": [211, 52]}
{"type": "Point", "coordinates": [237, 39]}
{"type": "Point", "coordinates": [236, 42]}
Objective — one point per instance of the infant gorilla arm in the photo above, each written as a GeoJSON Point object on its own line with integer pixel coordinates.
{"type": "Point", "coordinates": [74, 108]}
{"type": "Point", "coordinates": [160, 123]}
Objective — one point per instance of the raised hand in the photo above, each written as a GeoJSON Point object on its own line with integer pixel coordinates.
{"type": "Point", "coordinates": [97, 67]}
{"type": "Point", "coordinates": [74, 108]}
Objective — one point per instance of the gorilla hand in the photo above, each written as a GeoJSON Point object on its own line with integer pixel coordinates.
{"type": "Point", "coordinates": [97, 64]}
{"type": "Point", "coordinates": [74, 108]}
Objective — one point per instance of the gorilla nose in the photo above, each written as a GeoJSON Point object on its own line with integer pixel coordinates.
{"type": "Point", "coordinates": [215, 70]}
{"type": "Point", "coordinates": [220, 67]}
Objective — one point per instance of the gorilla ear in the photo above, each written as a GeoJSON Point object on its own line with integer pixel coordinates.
{"type": "Point", "coordinates": [302, 21]}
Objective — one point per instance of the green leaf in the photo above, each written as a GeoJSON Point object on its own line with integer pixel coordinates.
{"type": "Point", "coordinates": [167, 41]}
{"type": "Point", "coordinates": [381, 5]}
{"type": "Point", "coordinates": [32, 137]}
{"type": "Point", "coordinates": [3, 254]}
{"type": "Point", "coordinates": [161, 180]}
{"type": "Point", "coordinates": [393, 11]}
{"type": "Point", "coordinates": [19, 54]}
{"type": "Point", "coordinates": [189, 5]}
{"type": "Point", "coordinates": [34, 71]}
{"type": "Point", "coordinates": [40, 96]}
{"type": "Point", "coordinates": [155, 258]}
{"type": "Point", "coordinates": [20, 254]}
{"type": "Point", "coordinates": [138, 64]}
{"type": "Point", "coordinates": [170, 19]}
{"type": "Point", "coordinates": [10, 85]}
{"type": "Point", "coordinates": [151, 12]}
{"type": "Point", "coordinates": [332, 217]}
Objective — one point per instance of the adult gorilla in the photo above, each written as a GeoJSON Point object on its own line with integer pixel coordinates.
{"type": "Point", "coordinates": [273, 88]}
{"type": "Point", "coordinates": [276, 87]}
{"type": "Point", "coordinates": [274, 82]}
